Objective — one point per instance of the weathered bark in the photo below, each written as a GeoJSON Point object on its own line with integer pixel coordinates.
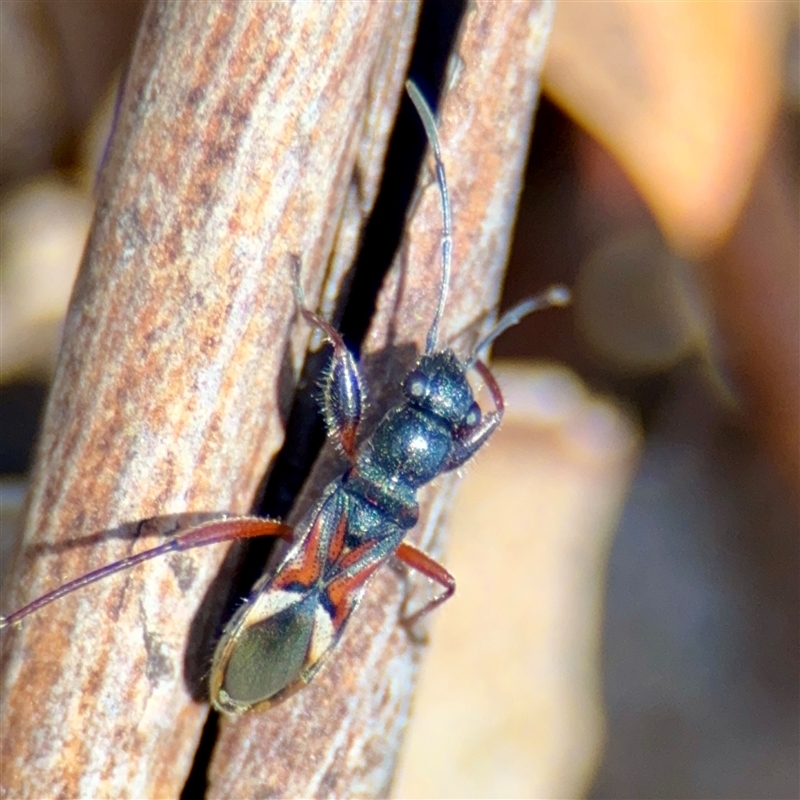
{"type": "Point", "coordinates": [242, 132]}
{"type": "Point", "coordinates": [237, 136]}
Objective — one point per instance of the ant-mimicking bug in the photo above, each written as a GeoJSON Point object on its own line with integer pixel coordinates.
{"type": "Point", "coordinates": [279, 638]}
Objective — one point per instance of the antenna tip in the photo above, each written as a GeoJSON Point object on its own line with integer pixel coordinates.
{"type": "Point", "coordinates": [558, 295]}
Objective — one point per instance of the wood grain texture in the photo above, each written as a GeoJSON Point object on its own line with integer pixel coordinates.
{"type": "Point", "coordinates": [340, 736]}
{"type": "Point", "coordinates": [235, 146]}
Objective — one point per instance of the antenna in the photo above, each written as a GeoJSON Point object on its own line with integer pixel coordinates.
{"type": "Point", "coordinates": [554, 296]}
{"type": "Point", "coordinates": [429, 123]}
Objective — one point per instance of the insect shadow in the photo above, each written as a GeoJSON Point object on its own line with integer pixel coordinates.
{"type": "Point", "coordinates": [247, 559]}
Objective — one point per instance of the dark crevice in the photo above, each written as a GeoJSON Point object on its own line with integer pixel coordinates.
{"type": "Point", "coordinates": [197, 781]}
{"type": "Point", "coordinates": [304, 430]}
{"type": "Point", "coordinates": [21, 408]}
{"type": "Point", "coordinates": [380, 240]}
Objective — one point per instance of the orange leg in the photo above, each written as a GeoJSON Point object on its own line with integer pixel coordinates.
{"type": "Point", "coordinates": [416, 559]}
{"type": "Point", "coordinates": [225, 530]}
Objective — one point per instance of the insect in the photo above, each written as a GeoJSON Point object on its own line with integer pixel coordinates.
{"type": "Point", "coordinates": [281, 635]}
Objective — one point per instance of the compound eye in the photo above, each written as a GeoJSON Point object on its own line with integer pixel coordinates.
{"type": "Point", "coordinates": [473, 416]}
{"type": "Point", "coordinates": [415, 385]}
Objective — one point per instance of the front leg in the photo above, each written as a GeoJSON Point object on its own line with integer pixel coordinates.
{"type": "Point", "coordinates": [472, 439]}
{"type": "Point", "coordinates": [342, 392]}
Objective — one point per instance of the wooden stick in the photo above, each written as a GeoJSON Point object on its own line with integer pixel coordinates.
{"type": "Point", "coordinates": [340, 736]}
{"type": "Point", "coordinates": [236, 142]}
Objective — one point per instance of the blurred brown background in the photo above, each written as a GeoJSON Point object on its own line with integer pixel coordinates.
{"type": "Point", "coordinates": [628, 624]}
